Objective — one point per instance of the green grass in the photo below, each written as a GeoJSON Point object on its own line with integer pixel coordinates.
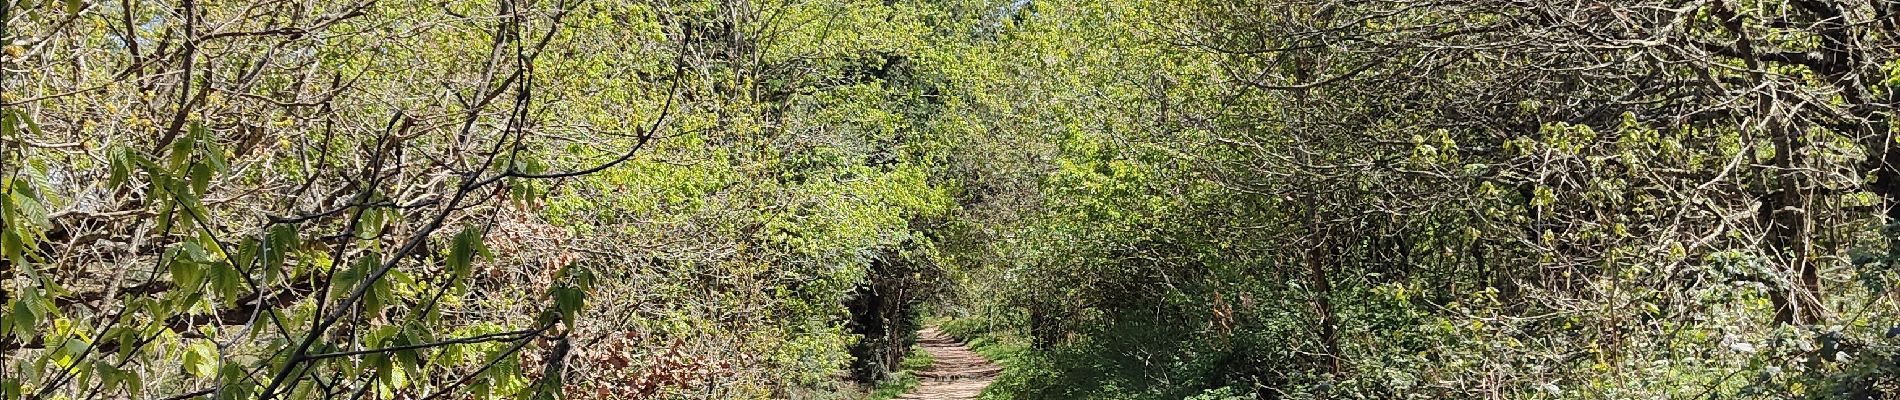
{"type": "Point", "coordinates": [916, 360]}
{"type": "Point", "coordinates": [900, 383]}
{"type": "Point", "coordinates": [1000, 346]}
{"type": "Point", "coordinates": [1002, 349]}
{"type": "Point", "coordinates": [905, 379]}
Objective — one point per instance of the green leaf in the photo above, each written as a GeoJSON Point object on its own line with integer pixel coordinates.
{"type": "Point", "coordinates": [181, 150]}
{"type": "Point", "coordinates": [379, 363]}
{"type": "Point", "coordinates": [188, 198]}
{"type": "Point", "coordinates": [214, 155]}
{"type": "Point", "coordinates": [196, 252]}
{"type": "Point", "coordinates": [201, 359]}
{"type": "Point", "coordinates": [27, 202]}
{"type": "Point", "coordinates": [31, 296]}
{"type": "Point", "coordinates": [166, 213]}
{"type": "Point", "coordinates": [345, 280]}
{"type": "Point", "coordinates": [369, 224]}
{"type": "Point", "coordinates": [200, 179]}
{"type": "Point", "coordinates": [407, 336]}
{"type": "Point", "coordinates": [568, 301]}
{"type": "Point", "coordinates": [109, 376]}
{"type": "Point", "coordinates": [70, 350]}
{"type": "Point", "coordinates": [12, 247]}
{"type": "Point", "coordinates": [8, 124]}
{"type": "Point", "coordinates": [397, 377]}
{"type": "Point", "coordinates": [462, 251]}
{"type": "Point", "coordinates": [276, 249]}
{"type": "Point", "coordinates": [237, 383]}
{"type": "Point", "coordinates": [187, 272]}
{"type": "Point", "coordinates": [32, 127]}
{"type": "Point", "coordinates": [25, 321]}
{"type": "Point", "coordinates": [225, 282]}
{"type": "Point", "coordinates": [120, 168]}
{"type": "Point", "coordinates": [380, 291]}
{"type": "Point", "coordinates": [131, 335]}
{"type": "Point", "coordinates": [248, 252]}
{"type": "Point", "coordinates": [134, 383]}
{"type": "Point", "coordinates": [133, 158]}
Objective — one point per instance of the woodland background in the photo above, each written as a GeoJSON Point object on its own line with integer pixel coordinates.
{"type": "Point", "coordinates": [1527, 199]}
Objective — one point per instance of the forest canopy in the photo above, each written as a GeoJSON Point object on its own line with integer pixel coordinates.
{"type": "Point", "coordinates": [1128, 199]}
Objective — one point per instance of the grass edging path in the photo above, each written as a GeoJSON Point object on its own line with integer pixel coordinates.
{"type": "Point", "coordinates": [956, 372]}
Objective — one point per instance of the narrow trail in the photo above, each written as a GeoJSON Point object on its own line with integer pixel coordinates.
{"type": "Point", "coordinates": [956, 372]}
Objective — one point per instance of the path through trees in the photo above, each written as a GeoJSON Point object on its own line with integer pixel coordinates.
{"type": "Point", "coordinates": [956, 372]}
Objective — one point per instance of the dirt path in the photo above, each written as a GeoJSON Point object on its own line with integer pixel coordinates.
{"type": "Point", "coordinates": [955, 373]}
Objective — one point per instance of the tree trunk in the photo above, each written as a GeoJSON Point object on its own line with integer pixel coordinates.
{"type": "Point", "coordinates": [1323, 306]}
{"type": "Point", "coordinates": [1789, 231]}
{"type": "Point", "coordinates": [1042, 328]}
{"type": "Point", "coordinates": [880, 316]}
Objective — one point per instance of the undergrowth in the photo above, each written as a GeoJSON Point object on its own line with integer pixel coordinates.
{"type": "Point", "coordinates": [905, 380]}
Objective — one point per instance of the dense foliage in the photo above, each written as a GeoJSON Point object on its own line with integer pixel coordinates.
{"type": "Point", "coordinates": [1119, 199]}
{"type": "Point", "coordinates": [1451, 199]}
{"type": "Point", "coordinates": [318, 199]}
